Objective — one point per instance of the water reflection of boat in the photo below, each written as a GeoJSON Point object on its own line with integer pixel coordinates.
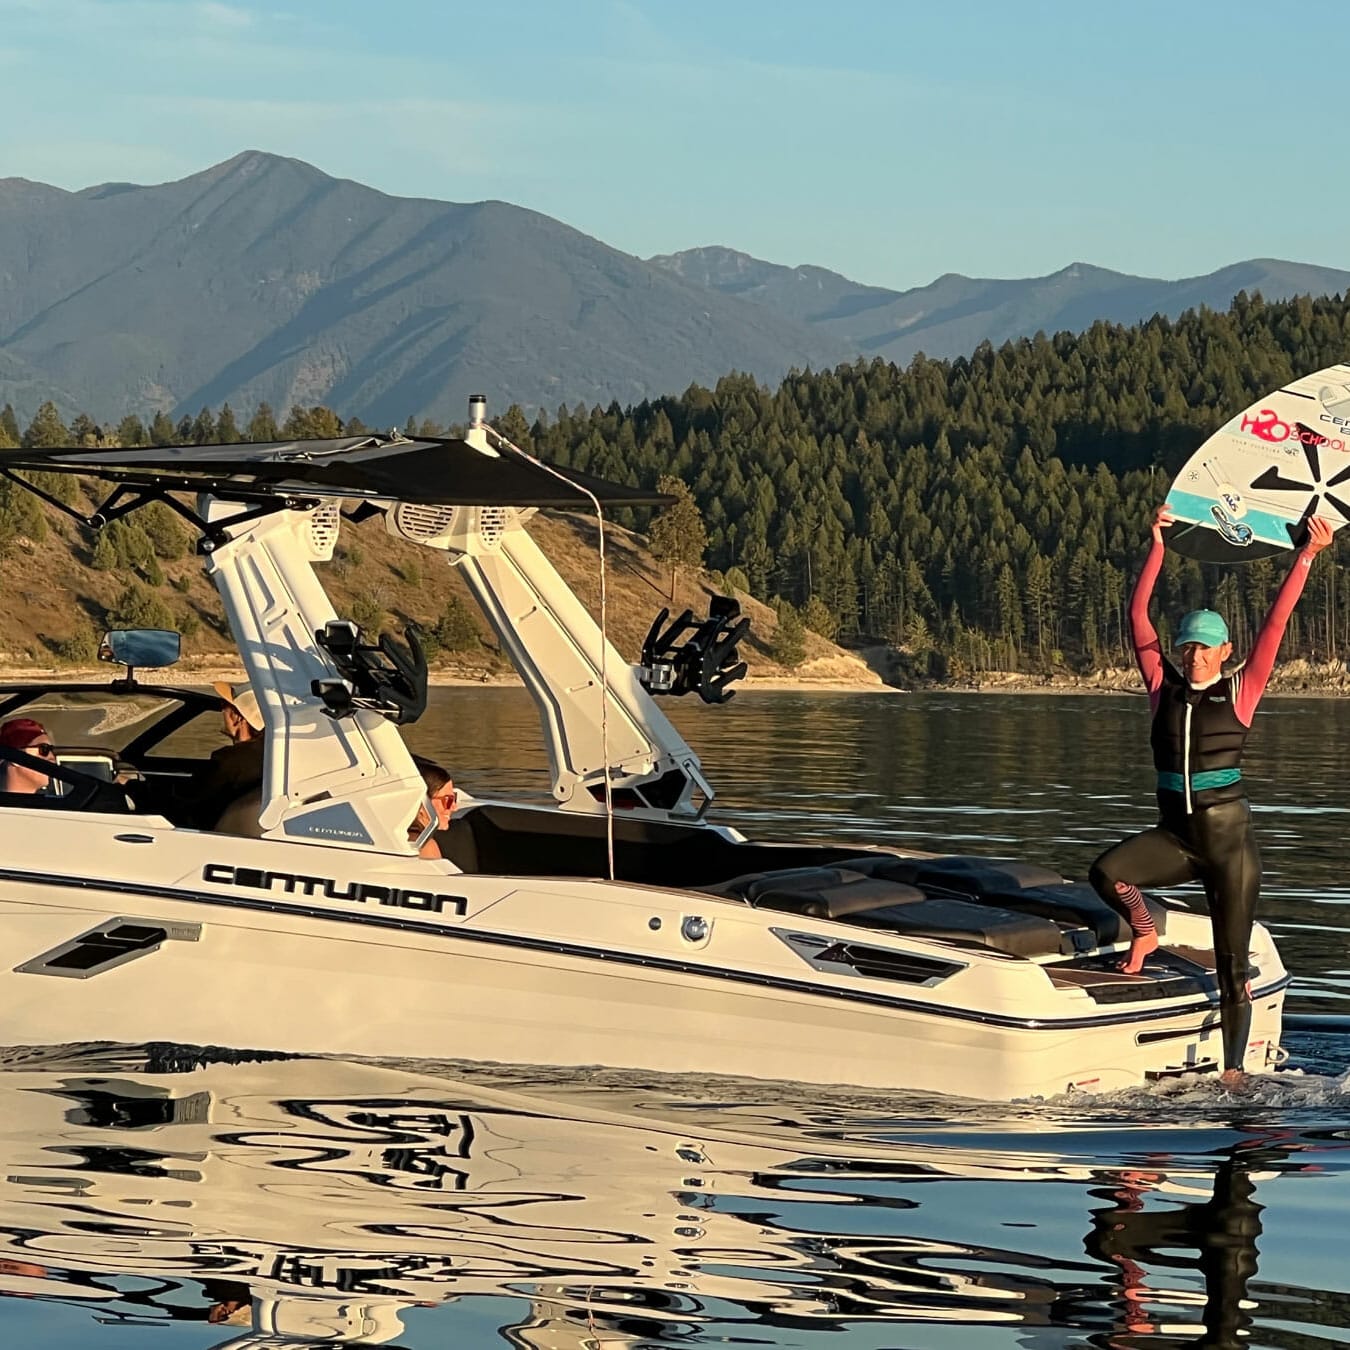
{"type": "Point", "coordinates": [353, 1183]}
{"type": "Point", "coordinates": [322, 1201]}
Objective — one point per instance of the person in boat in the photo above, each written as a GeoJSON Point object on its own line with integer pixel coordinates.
{"type": "Point", "coordinates": [30, 738]}
{"type": "Point", "coordinates": [441, 793]}
{"type": "Point", "coordinates": [1201, 718]}
{"type": "Point", "coordinates": [235, 770]}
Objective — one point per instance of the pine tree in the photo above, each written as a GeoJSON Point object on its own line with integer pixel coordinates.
{"type": "Point", "coordinates": [678, 537]}
{"type": "Point", "coordinates": [85, 432]}
{"type": "Point", "coordinates": [513, 425]}
{"type": "Point", "coordinates": [316, 423]}
{"type": "Point", "coordinates": [227, 429]}
{"type": "Point", "coordinates": [131, 431]}
{"type": "Point", "coordinates": [262, 426]}
{"type": "Point", "coordinates": [163, 530]}
{"type": "Point", "coordinates": [162, 429]}
{"type": "Point", "coordinates": [204, 428]}
{"type": "Point", "coordinates": [789, 639]}
{"type": "Point", "coordinates": [46, 430]}
{"type": "Point", "coordinates": [20, 516]}
{"type": "Point", "coordinates": [104, 557]}
{"type": "Point", "coordinates": [817, 617]}
{"type": "Point", "coordinates": [455, 630]}
{"type": "Point", "coordinates": [139, 607]}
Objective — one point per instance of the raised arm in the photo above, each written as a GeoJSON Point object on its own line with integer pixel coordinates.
{"type": "Point", "coordinates": [1251, 681]}
{"type": "Point", "coordinates": [1147, 648]}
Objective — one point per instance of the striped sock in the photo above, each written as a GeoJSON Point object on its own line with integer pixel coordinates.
{"type": "Point", "coordinates": [1141, 921]}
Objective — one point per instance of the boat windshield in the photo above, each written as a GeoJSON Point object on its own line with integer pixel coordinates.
{"type": "Point", "coordinates": [171, 724]}
{"type": "Point", "coordinates": [94, 717]}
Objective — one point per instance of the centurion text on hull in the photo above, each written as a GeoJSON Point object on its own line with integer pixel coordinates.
{"type": "Point", "coordinates": [652, 937]}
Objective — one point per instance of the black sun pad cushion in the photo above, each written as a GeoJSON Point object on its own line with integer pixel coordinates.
{"type": "Point", "coordinates": [847, 896]}
{"type": "Point", "coordinates": [969, 875]}
{"type": "Point", "coordinates": [1023, 887]}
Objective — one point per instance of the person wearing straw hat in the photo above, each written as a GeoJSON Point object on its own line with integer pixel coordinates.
{"type": "Point", "coordinates": [234, 769]}
{"type": "Point", "coordinates": [240, 712]}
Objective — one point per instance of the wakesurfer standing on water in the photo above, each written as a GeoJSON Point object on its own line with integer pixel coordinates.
{"type": "Point", "coordinates": [1201, 718]}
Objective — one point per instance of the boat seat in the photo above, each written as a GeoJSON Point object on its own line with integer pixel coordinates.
{"type": "Point", "coordinates": [497, 839]}
{"type": "Point", "coordinates": [971, 925]}
{"type": "Point", "coordinates": [457, 844]}
{"type": "Point", "coordinates": [848, 895]}
{"type": "Point", "coordinates": [1023, 887]}
{"type": "Point", "coordinates": [969, 875]}
{"type": "Point", "coordinates": [241, 816]}
{"type": "Point", "coordinates": [1075, 903]}
{"type": "Point", "coordinates": [821, 892]}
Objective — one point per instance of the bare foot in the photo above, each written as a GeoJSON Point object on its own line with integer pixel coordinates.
{"type": "Point", "coordinates": [1142, 945]}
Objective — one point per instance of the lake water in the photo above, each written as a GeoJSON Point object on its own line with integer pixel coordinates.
{"type": "Point", "coordinates": [153, 1196]}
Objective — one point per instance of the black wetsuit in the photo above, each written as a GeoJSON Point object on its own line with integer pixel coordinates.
{"type": "Point", "coordinates": [1204, 833]}
{"type": "Point", "coordinates": [1204, 828]}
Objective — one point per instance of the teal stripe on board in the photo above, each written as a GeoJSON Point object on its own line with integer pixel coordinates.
{"type": "Point", "coordinates": [1211, 778]}
{"type": "Point", "coordinates": [1265, 525]}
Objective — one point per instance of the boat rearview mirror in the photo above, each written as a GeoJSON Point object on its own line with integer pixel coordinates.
{"type": "Point", "coordinates": [147, 648]}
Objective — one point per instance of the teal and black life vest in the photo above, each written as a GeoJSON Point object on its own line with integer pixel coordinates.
{"type": "Point", "coordinates": [1197, 742]}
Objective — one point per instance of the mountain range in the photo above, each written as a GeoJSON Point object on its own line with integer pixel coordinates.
{"type": "Point", "coordinates": [263, 278]}
{"type": "Point", "coordinates": [954, 314]}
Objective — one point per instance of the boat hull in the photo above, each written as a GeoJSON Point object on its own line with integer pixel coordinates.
{"type": "Point", "coordinates": [557, 972]}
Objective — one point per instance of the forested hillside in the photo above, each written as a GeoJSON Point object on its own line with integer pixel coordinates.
{"type": "Point", "coordinates": [989, 512]}
{"type": "Point", "coordinates": [983, 513]}
{"type": "Point", "coordinates": [61, 584]}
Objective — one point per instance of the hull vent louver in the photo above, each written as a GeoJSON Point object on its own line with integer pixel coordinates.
{"type": "Point", "coordinates": [111, 944]}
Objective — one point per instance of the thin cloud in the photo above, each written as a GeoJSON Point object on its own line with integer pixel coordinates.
{"type": "Point", "coordinates": [120, 15]}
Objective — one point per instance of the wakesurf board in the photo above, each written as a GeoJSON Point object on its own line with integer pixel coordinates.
{"type": "Point", "coordinates": [1248, 491]}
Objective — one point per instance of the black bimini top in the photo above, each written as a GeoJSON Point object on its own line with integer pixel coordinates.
{"type": "Point", "coordinates": [429, 471]}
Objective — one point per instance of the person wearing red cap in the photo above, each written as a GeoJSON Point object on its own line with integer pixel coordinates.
{"type": "Point", "coordinates": [1201, 718]}
{"type": "Point", "coordinates": [29, 737]}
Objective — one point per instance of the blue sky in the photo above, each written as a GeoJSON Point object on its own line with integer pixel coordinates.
{"type": "Point", "coordinates": [888, 140]}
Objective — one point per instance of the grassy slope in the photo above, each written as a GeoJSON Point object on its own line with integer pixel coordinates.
{"type": "Point", "coordinates": [48, 591]}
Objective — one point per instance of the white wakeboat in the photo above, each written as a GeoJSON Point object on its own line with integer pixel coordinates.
{"type": "Point", "coordinates": [623, 925]}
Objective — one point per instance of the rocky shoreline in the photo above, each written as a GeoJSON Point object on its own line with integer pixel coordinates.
{"type": "Point", "coordinates": [1297, 678]}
